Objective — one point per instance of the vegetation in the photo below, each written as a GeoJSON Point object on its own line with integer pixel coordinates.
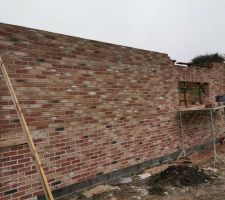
{"type": "Point", "coordinates": [207, 59]}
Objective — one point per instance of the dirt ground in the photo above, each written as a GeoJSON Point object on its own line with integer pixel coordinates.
{"type": "Point", "coordinates": [161, 183]}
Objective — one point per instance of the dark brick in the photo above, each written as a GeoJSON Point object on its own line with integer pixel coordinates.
{"type": "Point", "coordinates": [56, 183]}
{"type": "Point", "coordinates": [13, 39]}
{"type": "Point", "coordinates": [20, 80]}
{"type": "Point", "coordinates": [10, 192]}
{"type": "Point", "coordinates": [114, 162]}
{"type": "Point", "coordinates": [16, 121]}
{"type": "Point", "coordinates": [55, 101]}
{"type": "Point", "coordinates": [40, 59]}
{"type": "Point", "coordinates": [59, 129]}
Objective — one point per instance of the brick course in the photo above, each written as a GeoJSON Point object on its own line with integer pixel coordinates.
{"type": "Point", "coordinates": [92, 108]}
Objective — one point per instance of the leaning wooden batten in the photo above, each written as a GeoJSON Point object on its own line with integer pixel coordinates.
{"type": "Point", "coordinates": [26, 130]}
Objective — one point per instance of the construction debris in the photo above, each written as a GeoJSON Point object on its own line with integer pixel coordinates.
{"type": "Point", "coordinates": [144, 175]}
{"type": "Point", "coordinates": [157, 169]}
{"type": "Point", "coordinates": [99, 189]}
{"type": "Point", "coordinates": [125, 180]}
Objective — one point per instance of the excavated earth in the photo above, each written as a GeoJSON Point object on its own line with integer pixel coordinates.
{"type": "Point", "coordinates": [178, 176]}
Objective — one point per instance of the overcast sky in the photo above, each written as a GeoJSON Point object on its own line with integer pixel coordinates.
{"type": "Point", "coordinates": [181, 28]}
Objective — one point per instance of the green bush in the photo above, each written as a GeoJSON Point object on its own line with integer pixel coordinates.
{"type": "Point", "coordinates": [207, 59]}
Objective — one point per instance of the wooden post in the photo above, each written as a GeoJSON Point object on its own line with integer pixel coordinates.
{"type": "Point", "coordinates": [26, 130]}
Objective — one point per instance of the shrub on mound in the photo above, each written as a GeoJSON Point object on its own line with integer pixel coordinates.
{"type": "Point", "coordinates": [207, 59]}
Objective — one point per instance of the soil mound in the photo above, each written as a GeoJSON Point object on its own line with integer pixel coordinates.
{"type": "Point", "coordinates": [182, 175]}
{"type": "Point", "coordinates": [178, 176]}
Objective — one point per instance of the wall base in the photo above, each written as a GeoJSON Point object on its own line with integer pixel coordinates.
{"type": "Point", "coordinates": [68, 191]}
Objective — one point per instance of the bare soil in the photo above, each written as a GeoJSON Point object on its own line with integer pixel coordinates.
{"type": "Point", "coordinates": [194, 178]}
{"type": "Point", "coordinates": [178, 176]}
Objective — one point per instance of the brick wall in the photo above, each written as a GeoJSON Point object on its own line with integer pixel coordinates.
{"type": "Point", "coordinates": [92, 108]}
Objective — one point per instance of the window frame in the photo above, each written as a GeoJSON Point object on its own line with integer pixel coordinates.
{"type": "Point", "coordinates": [185, 90]}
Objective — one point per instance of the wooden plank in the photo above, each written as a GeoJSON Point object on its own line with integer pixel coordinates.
{"type": "Point", "coordinates": [200, 108]}
{"type": "Point", "coordinates": [12, 142]}
{"type": "Point", "coordinates": [30, 141]}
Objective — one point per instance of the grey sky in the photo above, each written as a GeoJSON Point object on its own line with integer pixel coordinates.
{"type": "Point", "coordinates": [181, 28]}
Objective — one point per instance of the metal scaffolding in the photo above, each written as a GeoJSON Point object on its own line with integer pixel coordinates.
{"type": "Point", "coordinates": [213, 135]}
